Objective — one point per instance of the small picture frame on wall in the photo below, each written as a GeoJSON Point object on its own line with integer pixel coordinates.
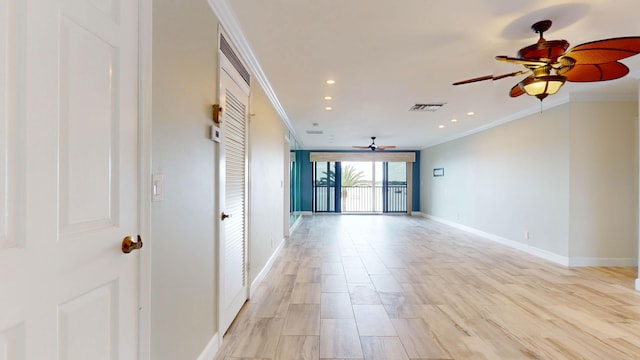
{"type": "Point", "coordinates": [438, 172]}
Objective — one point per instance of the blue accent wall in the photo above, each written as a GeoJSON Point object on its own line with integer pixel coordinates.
{"type": "Point", "coordinates": [416, 184]}
{"type": "Point", "coordinates": [306, 176]}
{"type": "Point", "coordinates": [306, 192]}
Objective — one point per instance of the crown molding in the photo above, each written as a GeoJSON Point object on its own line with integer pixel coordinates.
{"type": "Point", "coordinates": [609, 97]}
{"type": "Point", "coordinates": [235, 34]}
{"type": "Point", "coordinates": [549, 103]}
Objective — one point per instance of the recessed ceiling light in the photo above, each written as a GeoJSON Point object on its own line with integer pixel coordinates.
{"type": "Point", "coordinates": [328, 108]}
{"type": "Point", "coordinates": [331, 82]}
{"type": "Point", "coordinates": [454, 120]}
{"type": "Point", "coordinates": [441, 127]}
{"type": "Point", "coordinates": [328, 98]}
{"type": "Point", "coordinates": [470, 113]}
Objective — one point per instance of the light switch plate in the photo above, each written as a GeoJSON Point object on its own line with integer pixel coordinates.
{"type": "Point", "coordinates": [214, 133]}
{"type": "Point", "coordinates": [157, 187]}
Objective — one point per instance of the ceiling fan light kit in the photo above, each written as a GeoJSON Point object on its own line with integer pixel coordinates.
{"type": "Point", "coordinates": [542, 86]}
{"type": "Point", "coordinates": [588, 62]}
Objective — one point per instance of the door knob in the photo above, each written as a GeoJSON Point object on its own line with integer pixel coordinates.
{"type": "Point", "coordinates": [128, 245]}
{"type": "Point", "coordinates": [224, 216]}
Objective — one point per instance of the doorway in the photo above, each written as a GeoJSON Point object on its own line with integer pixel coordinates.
{"type": "Point", "coordinates": [360, 187]}
{"type": "Point", "coordinates": [233, 282]}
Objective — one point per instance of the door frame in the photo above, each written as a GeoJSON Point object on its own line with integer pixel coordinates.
{"type": "Point", "coordinates": [224, 63]}
{"type": "Point", "coordinates": [145, 87]}
{"type": "Point", "coordinates": [339, 206]}
{"type": "Point", "coordinates": [286, 184]}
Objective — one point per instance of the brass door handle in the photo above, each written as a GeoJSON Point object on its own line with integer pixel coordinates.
{"type": "Point", "coordinates": [128, 245]}
{"type": "Point", "coordinates": [224, 216]}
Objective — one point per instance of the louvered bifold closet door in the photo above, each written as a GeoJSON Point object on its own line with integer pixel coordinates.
{"type": "Point", "coordinates": [233, 279]}
{"type": "Point", "coordinates": [235, 154]}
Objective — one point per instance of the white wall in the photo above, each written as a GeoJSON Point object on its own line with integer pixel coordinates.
{"type": "Point", "coordinates": [603, 180]}
{"type": "Point", "coordinates": [183, 224]}
{"type": "Point", "coordinates": [505, 181]}
{"type": "Point", "coordinates": [267, 138]}
{"type": "Point", "coordinates": [541, 175]}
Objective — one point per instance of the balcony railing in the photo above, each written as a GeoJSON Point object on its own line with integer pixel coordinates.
{"type": "Point", "coordinates": [397, 198]}
{"type": "Point", "coordinates": [361, 199]}
{"type": "Point", "coordinates": [324, 199]}
{"type": "Point", "coordinates": [371, 199]}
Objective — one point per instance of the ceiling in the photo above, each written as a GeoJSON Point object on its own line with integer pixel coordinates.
{"type": "Point", "coordinates": [386, 56]}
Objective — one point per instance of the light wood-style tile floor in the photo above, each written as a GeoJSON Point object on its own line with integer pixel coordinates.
{"type": "Point", "coordinates": [399, 287]}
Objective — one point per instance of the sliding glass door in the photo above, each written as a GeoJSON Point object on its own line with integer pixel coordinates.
{"type": "Point", "coordinates": [360, 187]}
{"type": "Point", "coordinates": [363, 182]}
{"type": "Point", "coordinates": [324, 186]}
{"type": "Point", "coordinates": [394, 187]}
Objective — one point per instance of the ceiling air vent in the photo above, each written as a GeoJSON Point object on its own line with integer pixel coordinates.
{"type": "Point", "coordinates": [315, 132]}
{"type": "Point", "coordinates": [426, 107]}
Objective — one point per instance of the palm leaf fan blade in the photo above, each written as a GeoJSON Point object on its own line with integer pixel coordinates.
{"type": "Point", "coordinates": [605, 51]}
{"type": "Point", "coordinates": [596, 72]}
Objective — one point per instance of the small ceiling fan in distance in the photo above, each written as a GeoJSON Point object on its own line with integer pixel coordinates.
{"type": "Point", "coordinates": [588, 62]}
{"type": "Point", "coordinates": [374, 147]}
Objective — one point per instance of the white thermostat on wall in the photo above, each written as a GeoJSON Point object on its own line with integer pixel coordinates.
{"type": "Point", "coordinates": [214, 133]}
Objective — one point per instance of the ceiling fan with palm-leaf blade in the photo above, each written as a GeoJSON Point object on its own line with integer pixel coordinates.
{"type": "Point", "coordinates": [374, 147]}
{"type": "Point", "coordinates": [550, 64]}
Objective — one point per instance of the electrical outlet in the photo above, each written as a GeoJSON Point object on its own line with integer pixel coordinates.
{"type": "Point", "coordinates": [526, 235]}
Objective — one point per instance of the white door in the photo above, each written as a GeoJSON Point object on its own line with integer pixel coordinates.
{"type": "Point", "coordinates": [68, 179]}
{"type": "Point", "coordinates": [233, 281]}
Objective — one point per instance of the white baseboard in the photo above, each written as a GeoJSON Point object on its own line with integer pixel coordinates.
{"type": "Point", "coordinates": [211, 349]}
{"type": "Point", "coordinates": [583, 262]}
{"type": "Point", "coordinates": [306, 213]}
{"type": "Point", "coordinates": [543, 254]}
{"type": "Point", "coordinates": [295, 224]}
{"type": "Point", "coordinates": [267, 267]}
{"type": "Point", "coordinates": [638, 284]}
